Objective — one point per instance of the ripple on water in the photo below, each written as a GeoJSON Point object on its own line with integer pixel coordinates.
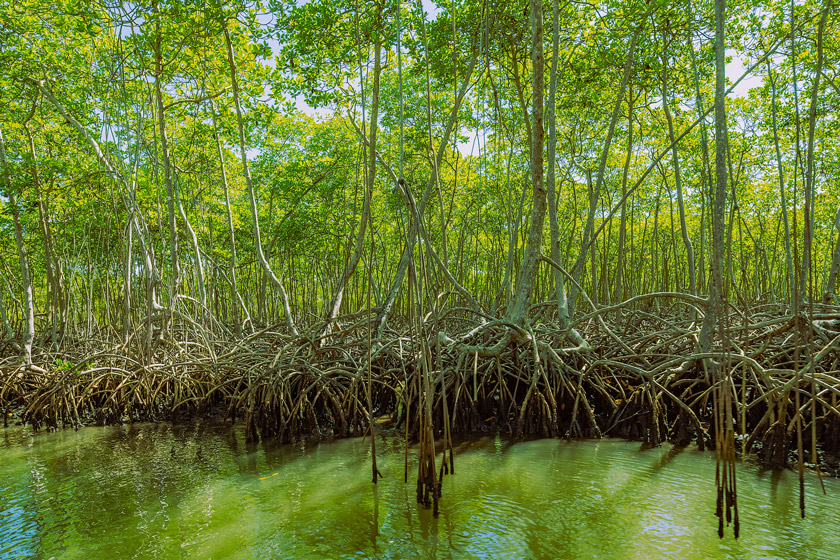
{"type": "Point", "coordinates": [198, 491]}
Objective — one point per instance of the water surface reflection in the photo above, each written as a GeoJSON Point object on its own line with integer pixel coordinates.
{"type": "Point", "coordinates": [198, 491]}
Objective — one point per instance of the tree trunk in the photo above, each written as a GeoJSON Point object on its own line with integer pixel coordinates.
{"type": "Point", "coordinates": [249, 184]}
{"type": "Point", "coordinates": [689, 248]}
{"type": "Point", "coordinates": [350, 267]}
{"type": "Point", "coordinates": [130, 203]}
{"type": "Point", "coordinates": [199, 265]}
{"type": "Point", "coordinates": [505, 287]}
{"type": "Point", "coordinates": [798, 272]}
{"type": "Point", "coordinates": [167, 171]}
{"type": "Point", "coordinates": [4, 315]}
{"type": "Point", "coordinates": [412, 205]}
{"type": "Point", "coordinates": [808, 218]}
{"type": "Point", "coordinates": [391, 297]}
{"type": "Point", "coordinates": [705, 172]}
{"type": "Point", "coordinates": [55, 280]}
{"type": "Point", "coordinates": [788, 256]}
{"type": "Point", "coordinates": [127, 274]}
{"type": "Point", "coordinates": [830, 291]}
{"type": "Point", "coordinates": [715, 304]}
{"type": "Point", "coordinates": [622, 231]}
{"type": "Point", "coordinates": [559, 280]}
{"type": "Point", "coordinates": [517, 311]}
{"type": "Point", "coordinates": [29, 309]}
{"type": "Point", "coordinates": [237, 298]}
{"type": "Point", "coordinates": [578, 267]}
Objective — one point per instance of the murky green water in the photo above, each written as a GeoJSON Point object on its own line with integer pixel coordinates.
{"type": "Point", "coordinates": [197, 491]}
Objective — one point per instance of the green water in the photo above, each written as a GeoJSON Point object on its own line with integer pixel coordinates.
{"type": "Point", "coordinates": [197, 491]}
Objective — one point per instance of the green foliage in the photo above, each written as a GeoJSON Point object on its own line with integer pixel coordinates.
{"type": "Point", "coordinates": [98, 60]}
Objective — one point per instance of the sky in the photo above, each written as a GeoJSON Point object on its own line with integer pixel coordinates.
{"type": "Point", "coordinates": [734, 70]}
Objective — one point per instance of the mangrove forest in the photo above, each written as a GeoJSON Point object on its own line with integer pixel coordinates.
{"type": "Point", "coordinates": [434, 220]}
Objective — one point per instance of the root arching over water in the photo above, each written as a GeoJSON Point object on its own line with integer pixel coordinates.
{"type": "Point", "coordinates": [638, 375]}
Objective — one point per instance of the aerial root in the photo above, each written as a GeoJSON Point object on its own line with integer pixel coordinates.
{"type": "Point", "coordinates": [488, 376]}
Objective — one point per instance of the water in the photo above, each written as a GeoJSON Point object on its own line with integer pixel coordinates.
{"type": "Point", "coordinates": [197, 491]}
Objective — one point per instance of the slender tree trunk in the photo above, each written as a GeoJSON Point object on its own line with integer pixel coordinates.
{"type": "Point", "coordinates": [676, 286]}
{"type": "Point", "coordinates": [91, 281]}
{"type": "Point", "coordinates": [830, 291]}
{"type": "Point", "coordinates": [578, 267]}
{"type": "Point", "coordinates": [715, 305]}
{"type": "Point", "coordinates": [689, 248]}
{"type": "Point", "coordinates": [808, 217]}
{"type": "Point", "coordinates": [505, 287]}
{"type": "Point", "coordinates": [594, 197]}
{"type": "Point", "coordinates": [622, 232]}
{"type": "Point", "coordinates": [141, 229]}
{"type": "Point", "coordinates": [127, 274]}
{"type": "Point", "coordinates": [4, 315]}
{"type": "Point", "coordinates": [127, 194]}
{"type": "Point", "coordinates": [237, 298]}
{"type": "Point", "coordinates": [563, 318]}
{"type": "Point", "coordinates": [167, 171]}
{"type": "Point", "coordinates": [441, 265]}
{"type": "Point", "coordinates": [250, 186]}
{"type": "Point", "coordinates": [199, 264]}
{"type": "Point", "coordinates": [52, 264]}
{"type": "Point", "coordinates": [432, 160]}
{"type": "Point", "coordinates": [55, 276]}
{"type": "Point", "coordinates": [705, 172]}
{"type": "Point", "coordinates": [791, 290]}
{"type": "Point", "coordinates": [335, 303]}
{"type": "Point", "coordinates": [517, 311]}
{"type": "Point", "coordinates": [391, 297]}
{"type": "Point", "coordinates": [26, 282]}
{"type": "Point", "coordinates": [656, 267]}
{"type": "Point", "coordinates": [798, 272]}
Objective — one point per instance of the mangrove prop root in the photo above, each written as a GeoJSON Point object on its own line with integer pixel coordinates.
{"type": "Point", "coordinates": [488, 376]}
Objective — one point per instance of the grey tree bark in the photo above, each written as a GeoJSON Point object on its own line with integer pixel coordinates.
{"type": "Point", "coordinates": [167, 172]}
{"type": "Point", "coordinates": [4, 314]}
{"type": "Point", "coordinates": [127, 274]}
{"type": "Point", "coordinates": [199, 264]}
{"type": "Point", "coordinates": [353, 260]}
{"type": "Point", "coordinates": [391, 297]}
{"type": "Point", "coordinates": [517, 310]}
{"type": "Point", "coordinates": [412, 204]}
{"type": "Point", "coordinates": [23, 258]}
{"type": "Point", "coordinates": [173, 198]}
{"type": "Point", "coordinates": [237, 297]}
{"type": "Point", "coordinates": [622, 231]}
{"type": "Point", "coordinates": [551, 177]}
{"type": "Point", "coordinates": [284, 299]}
{"type": "Point", "coordinates": [715, 304]}
{"type": "Point", "coordinates": [135, 215]}
{"type": "Point", "coordinates": [705, 171]}
{"type": "Point", "coordinates": [55, 293]}
{"type": "Point", "coordinates": [808, 217]}
{"type": "Point", "coordinates": [800, 274]}
{"type": "Point", "coordinates": [791, 288]}
{"type": "Point", "coordinates": [830, 290]}
{"type": "Point", "coordinates": [505, 287]}
{"type": "Point", "coordinates": [578, 267]}
{"type": "Point", "coordinates": [689, 247]}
